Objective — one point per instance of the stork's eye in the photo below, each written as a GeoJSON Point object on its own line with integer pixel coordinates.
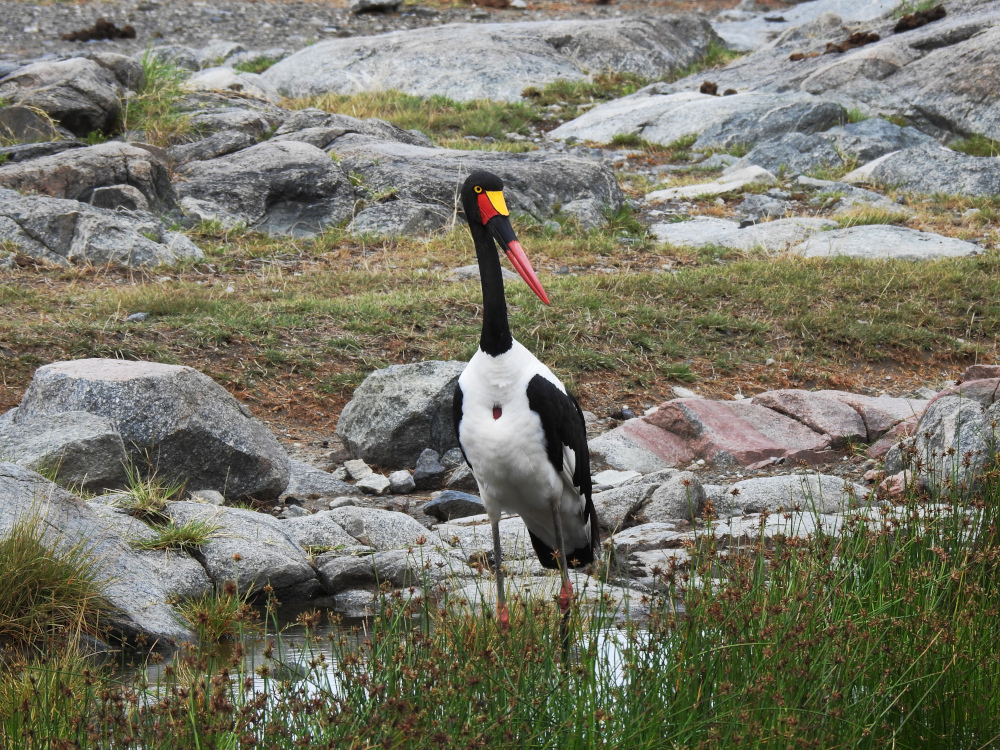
{"type": "Point", "coordinates": [478, 189]}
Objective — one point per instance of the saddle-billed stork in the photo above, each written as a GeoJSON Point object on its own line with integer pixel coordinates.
{"type": "Point", "coordinates": [521, 432]}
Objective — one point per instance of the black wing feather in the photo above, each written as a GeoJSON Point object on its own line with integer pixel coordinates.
{"type": "Point", "coordinates": [456, 416]}
{"type": "Point", "coordinates": [564, 426]}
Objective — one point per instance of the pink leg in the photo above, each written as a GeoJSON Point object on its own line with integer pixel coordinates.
{"type": "Point", "coordinates": [565, 595]}
{"type": "Point", "coordinates": [504, 617]}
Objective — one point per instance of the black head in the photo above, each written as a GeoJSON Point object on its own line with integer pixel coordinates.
{"type": "Point", "coordinates": [486, 208]}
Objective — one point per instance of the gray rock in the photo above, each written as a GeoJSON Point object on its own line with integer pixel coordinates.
{"type": "Point", "coordinates": [912, 74]}
{"type": "Point", "coordinates": [811, 493]}
{"type": "Point", "coordinates": [679, 497]}
{"type": "Point", "coordinates": [228, 80]}
{"type": "Point", "coordinates": [218, 144]}
{"type": "Point", "coordinates": [307, 482]}
{"type": "Point", "coordinates": [252, 549]}
{"type": "Point", "coordinates": [209, 497]}
{"type": "Point", "coordinates": [293, 511]}
{"type": "Point", "coordinates": [748, 30]}
{"type": "Point", "coordinates": [67, 231]}
{"type": "Point", "coordinates": [76, 448]}
{"type": "Point", "coordinates": [211, 112]}
{"type": "Point", "coordinates": [357, 469]}
{"type": "Point", "coordinates": [318, 530]}
{"type": "Point", "coordinates": [463, 479]}
{"type": "Point", "coordinates": [647, 536]}
{"type": "Point", "coordinates": [451, 504]}
{"type": "Point", "coordinates": [373, 484]}
{"type": "Point", "coordinates": [124, 197]}
{"type": "Point", "coordinates": [401, 482]}
{"type": "Point", "coordinates": [393, 218]}
{"type": "Point", "coordinates": [138, 595]}
{"type": "Point", "coordinates": [281, 188]}
{"type": "Point", "coordinates": [20, 152]}
{"type": "Point", "coordinates": [454, 458]}
{"type": "Point", "coordinates": [24, 125]}
{"type": "Point", "coordinates": [536, 183]}
{"type": "Point", "coordinates": [320, 128]}
{"type": "Point", "coordinates": [78, 173]}
{"type": "Point", "coordinates": [218, 50]}
{"type": "Point", "coordinates": [717, 121]}
{"type": "Point", "coordinates": [341, 502]}
{"type": "Point", "coordinates": [616, 507]}
{"type": "Point", "coordinates": [175, 54]}
{"type": "Point", "coordinates": [771, 236]}
{"type": "Point", "coordinates": [355, 603]}
{"type": "Point", "coordinates": [730, 181]}
{"type": "Point", "coordinates": [611, 478]}
{"type": "Point", "coordinates": [383, 529]}
{"type": "Point", "coordinates": [374, 6]}
{"type": "Point", "coordinates": [127, 70]}
{"type": "Point", "coordinates": [188, 427]}
{"type": "Point", "coordinates": [399, 411]}
{"type": "Point", "coordinates": [429, 473]}
{"type": "Point", "coordinates": [763, 207]}
{"type": "Point", "coordinates": [885, 241]}
{"type": "Point", "coordinates": [420, 566]}
{"type": "Point", "coordinates": [491, 61]}
{"type": "Point", "coordinates": [475, 542]}
{"type": "Point", "coordinates": [869, 139]}
{"type": "Point", "coordinates": [955, 440]}
{"type": "Point", "coordinates": [932, 169]}
{"type": "Point", "coordinates": [791, 154]}
{"type": "Point", "coordinates": [78, 93]}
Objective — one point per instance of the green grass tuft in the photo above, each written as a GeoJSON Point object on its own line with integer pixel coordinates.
{"type": "Point", "coordinates": [146, 496]}
{"type": "Point", "coordinates": [976, 145]}
{"type": "Point", "coordinates": [50, 592]}
{"type": "Point", "coordinates": [188, 537]}
{"type": "Point", "coordinates": [153, 111]}
{"type": "Point", "coordinates": [219, 616]}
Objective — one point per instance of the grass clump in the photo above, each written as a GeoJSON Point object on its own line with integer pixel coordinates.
{"type": "Point", "coordinates": [862, 215]}
{"type": "Point", "coordinates": [856, 115]}
{"type": "Point", "coordinates": [908, 7]}
{"type": "Point", "coordinates": [222, 615]}
{"type": "Point", "coordinates": [259, 65]}
{"type": "Point", "coordinates": [154, 110]}
{"type": "Point", "coordinates": [976, 145]}
{"type": "Point", "coordinates": [187, 537]}
{"type": "Point", "coordinates": [51, 592]}
{"type": "Point", "coordinates": [146, 497]}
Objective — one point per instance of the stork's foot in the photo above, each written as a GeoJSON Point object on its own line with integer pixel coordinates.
{"type": "Point", "coordinates": [565, 596]}
{"type": "Point", "coordinates": [503, 617]}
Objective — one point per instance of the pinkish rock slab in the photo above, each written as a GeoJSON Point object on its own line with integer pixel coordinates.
{"type": "Point", "coordinates": [902, 430]}
{"type": "Point", "coordinates": [641, 446]}
{"type": "Point", "coordinates": [880, 414]}
{"type": "Point", "coordinates": [738, 432]}
{"type": "Point", "coordinates": [986, 391]}
{"type": "Point", "coordinates": [819, 412]}
{"type": "Point", "coordinates": [981, 372]}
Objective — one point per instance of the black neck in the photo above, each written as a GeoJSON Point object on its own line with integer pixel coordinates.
{"type": "Point", "coordinates": [496, 338]}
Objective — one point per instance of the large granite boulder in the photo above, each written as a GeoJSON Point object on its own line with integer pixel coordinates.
{"type": "Point", "coordinates": [428, 180]}
{"type": "Point", "coordinates": [76, 449]}
{"type": "Point", "coordinates": [173, 419]}
{"type": "Point", "coordinates": [78, 93]}
{"type": "Point", "coordinates": [69, 232]}
{"type": "Point", "coordinates": [885, 241]}
{"type": "Point", "coordinates": [137, 594]}
{"type": "Point", "coordinates": [289, 188]}
{"type": "Point", "coordinates": [492, 61]}
{"type": "Point", "coordinates": [659, 115]}
{"type": "Point", "coordinates": [398, 412]}
{"type": "Point", "coordinates": [76, 174]}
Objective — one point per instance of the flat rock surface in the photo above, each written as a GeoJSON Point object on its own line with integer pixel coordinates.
{"type": "Point", "coordinates": [717, 121]}
{"type": "Point", "coordinates": [885, 241]}
{"type": "Point", "coordinates": [773, 236]}
{"type": "Point", "coordinates": [491, 61]}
